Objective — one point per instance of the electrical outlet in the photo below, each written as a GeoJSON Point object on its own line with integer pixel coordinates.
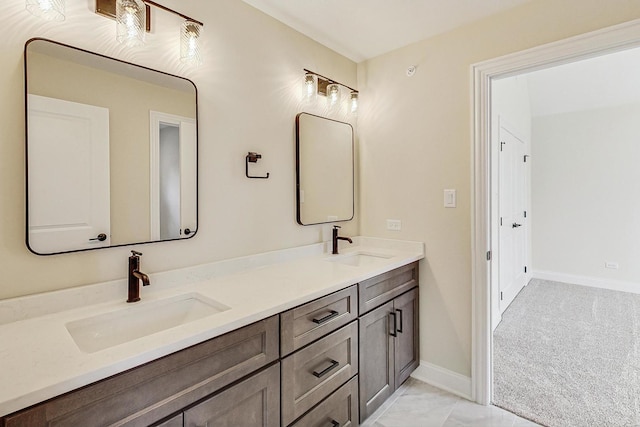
{"type": "Point", "coordinates": [394, 224]}
{"type": "Point", "coordinates": [611, 264]}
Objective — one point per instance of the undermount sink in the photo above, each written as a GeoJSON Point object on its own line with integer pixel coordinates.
{"type": "Point", "coordinates": [96, 333]}
{"type": "Point", "coordinates": [359, 258]}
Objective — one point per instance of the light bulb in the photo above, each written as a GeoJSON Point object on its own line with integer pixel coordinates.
{"type": "Point", "coordinates": [130, 22]}
{"type": "Point", "coordinates": [309, 88]}
{"type": "Point", "coordinates": [354, 102]}
{"type": "Point", "coordinates": [190, 34]}
{"type": "Point", "coordinates": [51, 10]}
{"type": "Point", "coordinates": [333, 95]}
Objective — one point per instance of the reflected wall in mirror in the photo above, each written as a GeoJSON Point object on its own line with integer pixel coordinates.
{"type": "Point", "coordinates": [111, 151]}
{"type": "Point", "coordinates": [324, 170]}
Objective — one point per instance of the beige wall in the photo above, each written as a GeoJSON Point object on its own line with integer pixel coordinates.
{"type": "Point", "coordinates": [249, 91]}
{"type": "Point", "coordinates": [129, 101]}
{"type": "Point", "coordinates": [415, 141]}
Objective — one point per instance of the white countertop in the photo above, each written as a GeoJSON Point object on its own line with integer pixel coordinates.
{"type": "Point", "coordinates": [40, 360]}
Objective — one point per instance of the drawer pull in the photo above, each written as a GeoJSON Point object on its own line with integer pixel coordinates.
{"type": "Point", "coordinates": [334, 423]}
{"type": "Point", "coordinates": [325, 371]}
{"type": "Point", "coordinates": [331, 315]}
{"type": "Point", "coordinates": [400, 328]}
{"type": "Point", "coordinates": [394, 331]}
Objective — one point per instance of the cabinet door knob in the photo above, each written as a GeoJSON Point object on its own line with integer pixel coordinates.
{"type": "Point", "coordinates": [331, 315]}
{"type": "Point", "coordinates": [334, 423]}
{"type": "Point", "coordinates": [325, 371]}
{"type": "Point", "coordinates": [400, 328]}
{"type": "Point", "coordinates": [394, 331]}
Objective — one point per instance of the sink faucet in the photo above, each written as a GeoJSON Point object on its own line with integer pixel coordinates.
{"type": "Point", "coordinates": [135, 275]}
{"type": "Point", "coordinates": [336, 238]}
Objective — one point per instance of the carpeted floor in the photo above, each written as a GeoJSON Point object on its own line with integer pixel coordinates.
{"type": "Point", "coordinates": [567, 355]}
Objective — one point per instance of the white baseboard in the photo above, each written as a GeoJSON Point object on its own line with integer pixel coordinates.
{"type": "Point", "coordinates": [444, 379]}
{"type": "Point", "coordinates": [594, 282]}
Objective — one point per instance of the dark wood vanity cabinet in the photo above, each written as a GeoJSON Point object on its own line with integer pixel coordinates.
{"type": "Point", "coordinates": [389, 339]}
{"type": "Point", "coordinates": [332, 361]}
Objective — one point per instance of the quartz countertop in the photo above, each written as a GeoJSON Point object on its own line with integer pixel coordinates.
{"type": "Point", "coordinates": [39, 359]}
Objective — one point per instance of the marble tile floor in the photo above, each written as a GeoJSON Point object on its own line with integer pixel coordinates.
{"type": "Point", "coordinates": [417, 404]}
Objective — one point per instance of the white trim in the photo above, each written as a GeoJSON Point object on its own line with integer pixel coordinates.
{"type": "Point", "coordinates": [594, 282]}
{"type": "Point", "coordinates": [444, 379]}
{"type": "Point", "coordinates": [608, 40]}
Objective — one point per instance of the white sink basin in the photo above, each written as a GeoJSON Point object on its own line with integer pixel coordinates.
{"type": "Point", "coordinates": [96, 333]}
{"type": "Point", "coordinates": [357, 259]}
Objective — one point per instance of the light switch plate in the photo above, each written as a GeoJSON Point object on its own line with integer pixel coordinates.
{"type": "Point", "coordinates": [394, 224]}
{"type": "Point", "coordinates": [449, 198]}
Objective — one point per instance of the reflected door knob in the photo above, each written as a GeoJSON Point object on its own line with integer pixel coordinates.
{"type": "Point", "coordinates": [187, 231]}
{"type": "Point", "coordinates": [101, 237]}
{"type": "Point", "coordinates": [516, 225]}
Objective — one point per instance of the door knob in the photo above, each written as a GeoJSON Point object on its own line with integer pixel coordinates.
{"type": "Point", "coordinates": [101, 237]}
{"type": "Point", "coordinates": [187, 231]}
{"type": "Point", "coordinates": [516, 225]}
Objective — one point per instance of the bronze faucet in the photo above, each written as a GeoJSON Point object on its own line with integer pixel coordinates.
{"type": "Point", "coordinates": [135, 275]}
{"type": "Point", "coordinates": [336, 238]}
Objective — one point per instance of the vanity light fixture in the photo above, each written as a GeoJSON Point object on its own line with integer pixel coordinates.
{"type": "Point", "coordinates": [130, 22]}
{"type": "Point", "coordinates": [333, 95]}
{"type": "Point", "coordinates": [190, 42]}
{"type": "Point", "coordinates": [133, 18]}
{"type": "Point", "coordinates": [354, 101]}
{"type": "Point", "coordinates": [51, 10]}
{"type": "Point", "coordinates": [315, 83]}
{"type": "Point", "coordinates": [309, 89]}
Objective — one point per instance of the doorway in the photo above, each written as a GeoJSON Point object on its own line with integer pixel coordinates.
{"type": "Point", "coordinates": [485, 260]}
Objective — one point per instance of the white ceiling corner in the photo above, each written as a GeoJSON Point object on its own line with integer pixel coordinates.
{"type": "Point", "coordinates": [363, 29]}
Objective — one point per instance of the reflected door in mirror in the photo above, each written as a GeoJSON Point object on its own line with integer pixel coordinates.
{"type": "Point", "coordinates": [68, 205]}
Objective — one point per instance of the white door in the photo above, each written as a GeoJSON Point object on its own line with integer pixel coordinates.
{"type": "Point", "coordinates": [513, 221]}
{"type": "Point", "coordinates": [68, 177]}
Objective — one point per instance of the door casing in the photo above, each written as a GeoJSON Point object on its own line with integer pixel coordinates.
{"type": "Point", "coordinates": [608, 40]}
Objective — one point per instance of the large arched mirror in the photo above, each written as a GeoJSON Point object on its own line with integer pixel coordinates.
{"type": "Point", "coordinates": [111, 151]}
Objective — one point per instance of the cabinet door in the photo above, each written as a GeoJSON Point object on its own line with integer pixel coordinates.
{"type": "Point", "coordinates": [254, 402]}
{"type": "Point", "coordinates": [406, 345]}
{"type": "Point", "coordinates": [376, 363]}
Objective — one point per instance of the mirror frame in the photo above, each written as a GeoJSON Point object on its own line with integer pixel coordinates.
{"type": "Point", "coordinates": [26, 146]}
{"type": "Point", "coordinates": [353, 173]}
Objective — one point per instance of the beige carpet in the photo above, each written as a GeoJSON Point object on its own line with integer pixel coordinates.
{"type": "Point", "coordinates": [568, 355]}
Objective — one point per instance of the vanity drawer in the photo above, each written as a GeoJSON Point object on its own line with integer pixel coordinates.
{"type": "Point", "coordinates": [339, 409]}
{"type": "Point", "coordinates": [313, 373]}
{"type": "Point", "coordinates": [151, 392]}
{"type": "Point", "coordinates": [303, 325]}
{"type": "Point", "coordinates": [380, 289]}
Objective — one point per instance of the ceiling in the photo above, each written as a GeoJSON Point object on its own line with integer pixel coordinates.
{"type": "Point", "coordinates": [363, 29]}
{"type": "Point", "coordinates": [601, 82]}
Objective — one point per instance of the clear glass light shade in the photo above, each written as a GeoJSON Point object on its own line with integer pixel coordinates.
{"type": "Point", "coordinates": [130, 22]}
{"type": "Point", "coordinates": [309, 90]}
{"type": "Point", "coordinates": [354, 102]}
{"type": "Point", "coordinates": [51, 10]}
{"type": "Point", "coordinates": [190, 39]}
{"type": "Point", "coordinates": [333, 95]}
